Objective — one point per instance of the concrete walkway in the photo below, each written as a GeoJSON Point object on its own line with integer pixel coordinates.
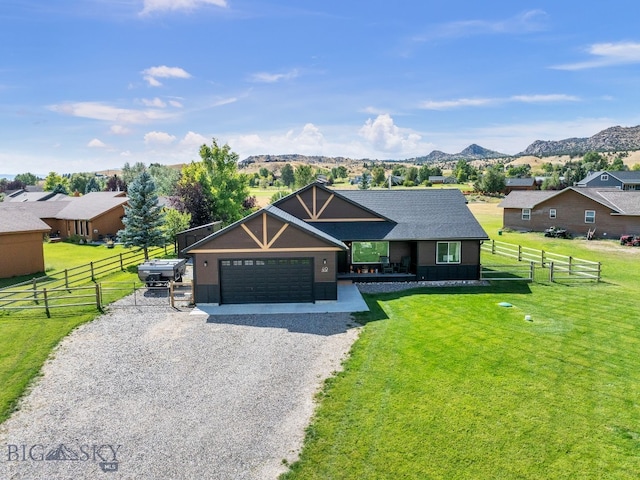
{"type": "Point", "coordinates": [349, 301]}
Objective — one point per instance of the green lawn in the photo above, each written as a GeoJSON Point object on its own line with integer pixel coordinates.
{"type": "Point", "coordinates": [446, 383]}
{"type": "Point", "coordinates": [27, 336]}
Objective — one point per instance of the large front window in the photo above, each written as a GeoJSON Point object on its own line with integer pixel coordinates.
{"type": "Point", "coordinates": [448, 252]}
{"type": "Point", "coordinates": [368, 252]}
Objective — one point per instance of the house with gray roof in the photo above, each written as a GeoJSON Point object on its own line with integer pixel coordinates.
{"type": "Point", "coordinates": [91, 216]}
{"type": "Point", "coordinates": [297, 249]}
{"type": "Point", "coordinates": [21, 243]}
{"type": "Point", "coordinates": [623, 180]}
{"type": "Point", "coordinates": [608, 212]}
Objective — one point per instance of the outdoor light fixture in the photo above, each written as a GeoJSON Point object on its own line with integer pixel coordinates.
{"type": "Point", "coordinates": [324, 261]}
{"type": "Point", "coordinates": [206, 263]}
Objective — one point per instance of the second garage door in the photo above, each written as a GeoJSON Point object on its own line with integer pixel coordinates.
{"type": "Point", "coordinates": [266, 280]}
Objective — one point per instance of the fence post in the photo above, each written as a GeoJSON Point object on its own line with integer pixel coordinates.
{"type": "Point", "coordinates": [121, 263]}
{"type": "Point", "coordinates": [542, 258]}
{"type": "Point", "coordinates": [532, 271]}
{"type": "Point", "coordinates": [35, 290]}
{"type": "Point", "coordinates": [598, 279]}
{"type": "Point", "coordinates": [570, 272]}
{"type": "Point", "coordinates": [519, 253]}
{"type": "Point", "coordinates": [493, 247]}
{"type": "Point", "coordinates": [66, 279]}
{"type": "Point", "coordinates": [98, 297]}
{"type": "Point", "coordinates": [551, 272]}
{"type": "Point", "coordinates": [46, 302]}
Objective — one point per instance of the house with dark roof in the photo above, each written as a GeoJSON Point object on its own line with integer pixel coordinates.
{"type": "Point", "coordinates": [21, 244]}
{"type": "Point", "coordinates": [610, 212]}
{"type": "Point", "coordinates": [91, 216]}
{"type": "Point", "coordinates": [527, 183]}
{"type": "Point", "coordinates": [623, 180]}
{"type": "Point", "coordinates": [297, 249]}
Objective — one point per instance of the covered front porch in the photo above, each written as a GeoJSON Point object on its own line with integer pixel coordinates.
{"type": "Point", "coordinates": [378, 262]}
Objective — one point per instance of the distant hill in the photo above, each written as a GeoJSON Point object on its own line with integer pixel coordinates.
{"type": "Point", "coordinates": [472, 152]}
{"type": "Point", "coordinates": [614, 139]}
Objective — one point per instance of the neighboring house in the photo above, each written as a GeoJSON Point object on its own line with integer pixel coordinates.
{"type": "Point", "coordinates": [297, 249]}
{"type": "Point", "coordinates": [186, 238]}
{"type": "Point", "coordinates": [623, 180]}
{"type": "Point", "coordinates": [610, 212]}
{"type": "Point", "coordinates": [91, 216]}
{"type": "Point", "coordinates": [21, 244]}
{"type": "Point", "coordinates": [511, 184]}
{"type": "Point", "coordinates": [439, 179]}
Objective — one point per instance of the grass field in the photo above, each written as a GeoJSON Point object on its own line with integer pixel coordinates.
{"type": "Point", "coordinates": [27, 337]}
{"type": "Point", "coordinates": [446, 383]}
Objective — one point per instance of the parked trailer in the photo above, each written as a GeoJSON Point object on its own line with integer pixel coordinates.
{"type": "Point", "coordinates": [160, 272]}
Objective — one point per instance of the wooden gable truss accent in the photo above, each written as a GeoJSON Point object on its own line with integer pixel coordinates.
{"type": "Point", "coordinates": [317, 204]}
{"type": "Point", "coordinates": [266, 233]}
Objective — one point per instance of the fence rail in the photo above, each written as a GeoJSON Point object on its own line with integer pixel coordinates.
{"type": "Point", "coordinates": [94, 295]}
{"type": "Point", "coordinates": [86, 272]}
{"type": "Point", "coordinates": [561, 267]}
{"type": "Point", "coordinates": [508, 272]}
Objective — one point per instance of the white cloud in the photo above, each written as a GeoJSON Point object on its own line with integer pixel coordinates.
{"type": "Point", "coordinates": [265, 77]}
{"type": "Point", "coordinates": [158, 137]}
{"type": "Point", "coordinates": [175, 104]}
{"type": "Point", "coordinates": [153, 102]}
{"type": "Point", "coordinates": [119, 130]}
{"type": "Point", "coordinates": [384, 135]}
{"type": "Point", "coordinates": [164, 5]}
{"type": "Point", "coordinates": [152, 74]}
{"type": "Point", "coordinates": [101, 111]}
{"type": "Point", "coordinates": [95, 143]}
{"type": "Point", "coordinates": [482, 102]}
{"type": "Point", "coordinates": [195, 140]}
{"type": "Point", "coordinates": [607, 54]}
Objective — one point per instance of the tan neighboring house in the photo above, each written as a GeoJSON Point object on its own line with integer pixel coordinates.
{"type": "Point", "coordinates": [610, 212]}
{"type": "Point", "coordinates": [21, 243]}
{"type": "Point", "coordinates": [92, 216]}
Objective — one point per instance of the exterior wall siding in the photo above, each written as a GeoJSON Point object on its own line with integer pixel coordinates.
{"type": "Point", "coordinates": [468, 268]}
{"type": "Point", "coordinates": [570, 214]}
{"type": "Point", "coordinates": [22, 254]}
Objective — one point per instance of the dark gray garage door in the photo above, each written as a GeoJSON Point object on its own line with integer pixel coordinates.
{"type": "Point", "coordinates": [266, 280]}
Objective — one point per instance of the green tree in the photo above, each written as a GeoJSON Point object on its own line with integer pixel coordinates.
{"type": "Point", "coordinates": [228, 188]}
{"type": "Point", "coordinates": [164, 177]}
{"type": "Point", "coordinates": [594, 161]}
{"type": "Point", "coordinates": [27, 178]}
{"type": "Point", "coordinates": [378, 176]}
{"type": "Point", "coordinates": [52, 180]}
{"type": "Point", "coordinates": [365, 181]}
{"type": "Point", "coordinates": [143, 216]}
{"type": "Point", "coordinates": [78, 181]}
{"type": "Point", "coordinates": [304, 175]}
{"type": "Point", "coordinates": [618, 165]}
{"type": "Point", "coordinates": [552, 183]}
{"type": "Point", "coordinates": [342, 172]}
{"type": "Point", "coordinates": [129, 173]}
{"type": "Point", "coordinates": [93, 185]}
{"type": "Point", "coordinates": [175, 222]}
{"type": "Point", "coordinates": [493, 181]}
{"type": "Point", "coordinates": [287, 176]}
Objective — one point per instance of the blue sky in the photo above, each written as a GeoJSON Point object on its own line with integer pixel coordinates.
{"type": "Point", "coordinates": [92, 84]}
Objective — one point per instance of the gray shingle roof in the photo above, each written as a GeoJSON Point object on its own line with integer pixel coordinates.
{"type": "Point", "coordinates": [419, 214]}
{"type": "Point", "coordinates": [520, 182]}
{"type": "Point", "coordinates": [24, 222]}
{"type": "Point", "coordinates": [526, 198]}
{"type": "Point", "coordinates": [91, 205]}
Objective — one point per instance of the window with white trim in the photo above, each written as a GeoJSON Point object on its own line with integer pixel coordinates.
{"type": "Point", "coordinates": [448, 252]}
{"type": "Point", "coordinates": [589, 216]}
{"type": "Point", "coordinates": [604, 177]}
{"type": "Point", "coordinates": [526, 214]}
{"type": "Point", "coordinates": [552, 213]}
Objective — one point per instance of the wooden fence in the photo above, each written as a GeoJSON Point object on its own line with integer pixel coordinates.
{"type": "Point", "coordinates": [525, 272]}
{"type": "Point", "coordinates": [47, 298]}
{"type": "Point", "coordinates": [561, 267]}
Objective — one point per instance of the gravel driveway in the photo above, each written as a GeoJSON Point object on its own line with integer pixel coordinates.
{"type": "Point", "coordinates": [150, 392]}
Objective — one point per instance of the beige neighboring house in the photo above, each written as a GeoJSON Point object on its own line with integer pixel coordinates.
{"type": "Point", "coordinates": [21, 243]}
{"type": "Point", "coordinates": [92, 216]}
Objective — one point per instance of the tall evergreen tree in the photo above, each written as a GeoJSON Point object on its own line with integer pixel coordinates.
{"type": "Point", "coordinates": [143, 217]}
